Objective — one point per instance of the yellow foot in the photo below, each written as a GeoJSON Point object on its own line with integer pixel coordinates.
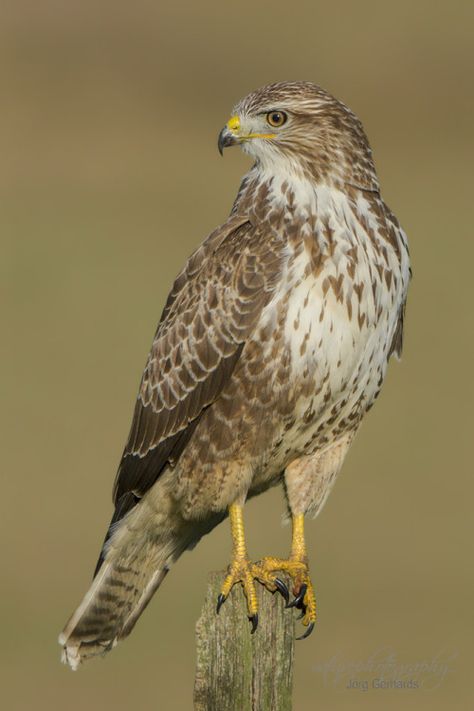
{"type": "Point", "coordinates": [240, 572]}
{"type": "Point", "coordinates": [305, 600]}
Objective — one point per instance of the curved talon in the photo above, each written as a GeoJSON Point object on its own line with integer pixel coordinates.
{"type": "Point", "coordinates": [298, 601]}
{"type": "Point", "coordinates": [281, 587]}
{"type": "Point", "coordinates": [254, 620]}
{"type": "Point", "coordinates": [220, 601]}
{"type": "Point", "coordinates": [308, 631]}
{"type": "Point", "coordinates": [302, 613]}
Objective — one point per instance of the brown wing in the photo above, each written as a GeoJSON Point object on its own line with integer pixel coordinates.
{"type": "Point", "coordinates": [215, 303]}
{"type": "Point", "coordinates": [398, 239]}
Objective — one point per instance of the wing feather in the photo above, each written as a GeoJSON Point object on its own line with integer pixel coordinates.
{"type": "Point", "coordinates": [213, 306]}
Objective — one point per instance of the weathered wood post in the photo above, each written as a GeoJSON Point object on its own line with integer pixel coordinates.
{"type": "Point", "coordinates": [237, 671]}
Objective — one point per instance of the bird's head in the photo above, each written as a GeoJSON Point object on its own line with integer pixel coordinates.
{"type": "Point", "coordinates": [299, 127]}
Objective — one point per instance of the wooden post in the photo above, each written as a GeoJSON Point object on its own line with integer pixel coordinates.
{"type": "Point", "coordinates": [237, 671]}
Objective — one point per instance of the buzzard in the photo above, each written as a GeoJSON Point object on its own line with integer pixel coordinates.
{"type": "Point", "coordinates": [273, 344]}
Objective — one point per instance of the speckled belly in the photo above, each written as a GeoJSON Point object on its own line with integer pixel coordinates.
{"type": "Point", "coordinates": [304, 380]}
{"type": "Point", "coordinates": [335, 373]}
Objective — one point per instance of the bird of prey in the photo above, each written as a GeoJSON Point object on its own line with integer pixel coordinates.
{"type": "Point", "coordinates": [272, 345]}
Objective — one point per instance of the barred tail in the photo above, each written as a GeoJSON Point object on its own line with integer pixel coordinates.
{"type": "Point", "coordinates": [137, 559]}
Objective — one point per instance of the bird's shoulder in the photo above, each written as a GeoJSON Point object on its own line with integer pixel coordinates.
{"type": "Point", "coordinates": [237, 254]}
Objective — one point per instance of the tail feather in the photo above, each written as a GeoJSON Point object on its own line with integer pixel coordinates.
{"type": "Point", "coordinates": [136, 562]}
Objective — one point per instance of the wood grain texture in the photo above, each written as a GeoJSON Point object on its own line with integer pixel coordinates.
{"type": "Point", "coordinates": [239, 671]}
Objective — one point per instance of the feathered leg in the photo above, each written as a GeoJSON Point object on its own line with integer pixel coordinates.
{"type": "Point", "coordinates": [308, 481]}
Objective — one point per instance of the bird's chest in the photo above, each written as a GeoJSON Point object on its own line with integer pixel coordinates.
{"type": "Point", "coordinates": [338, 315]}
{"type": "Point", "coordinates": [327, 326]}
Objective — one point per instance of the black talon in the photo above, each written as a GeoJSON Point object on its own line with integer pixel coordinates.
{"type": "Point", "coordinates": [298, 601]}
{"type": "Point", "coordinates": [254, 620]}
{"type": "Point", "coordinates": [308, 631]}
{"type": "Point", "coordinates": [281, 587]}
{"type": "Point", "coordinates": [302, 613]}
{"type": "Point", "coordinates": [220, 601]}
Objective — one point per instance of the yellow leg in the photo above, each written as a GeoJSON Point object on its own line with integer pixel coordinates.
{"type": "Point", "coordinates": [298, 543]}
{"type": "Point", "coordinates": [240, 567]}
{"type": "Point", "coordinates": [296, 566]}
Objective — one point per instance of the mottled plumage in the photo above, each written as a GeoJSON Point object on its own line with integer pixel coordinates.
{"type": "Point", "coordinates": [273, 344]}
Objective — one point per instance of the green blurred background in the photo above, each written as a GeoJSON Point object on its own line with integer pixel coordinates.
{"type": "Point", "coordinates": [109, 177]}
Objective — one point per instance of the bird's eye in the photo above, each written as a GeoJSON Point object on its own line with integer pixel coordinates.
{"type": "Point", "coordinates": [276, 118]}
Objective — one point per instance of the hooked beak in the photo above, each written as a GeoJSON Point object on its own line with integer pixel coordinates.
{"type": "Point", "coordinates": [226, 139]}
{"type": "Point", "coordinates": [229, 134]}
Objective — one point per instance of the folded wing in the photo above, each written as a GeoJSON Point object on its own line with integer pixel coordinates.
{"type": "Point", "coordinates": [215, 303]}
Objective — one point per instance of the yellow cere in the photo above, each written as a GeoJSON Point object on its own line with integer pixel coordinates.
{"type": "Point", "coordinates": [233, 124]}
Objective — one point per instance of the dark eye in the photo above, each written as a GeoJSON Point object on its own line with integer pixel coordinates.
{"type": "Point", "coordinates": [276, 118]}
